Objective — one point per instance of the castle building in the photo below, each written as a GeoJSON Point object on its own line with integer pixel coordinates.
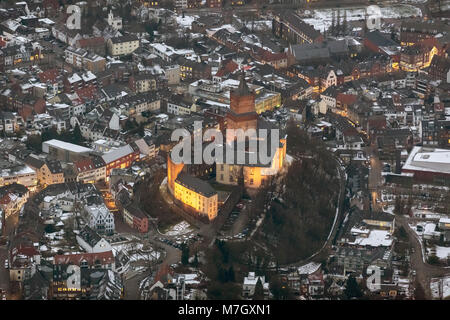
{"type": "Point", "coordinates": [242, 115]}
{"type": "Point", "coordinates": [243, 167]}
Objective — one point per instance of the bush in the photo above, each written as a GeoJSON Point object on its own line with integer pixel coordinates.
{"type": "Point", "coordinates": [434, 260]}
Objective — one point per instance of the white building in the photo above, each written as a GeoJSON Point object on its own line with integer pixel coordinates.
{"type": "Point", "coordinates": [91, 241]}
{"type": "Point", "coordinates": [99, 218]}
{"type": "Point", "coordinates": [21, 174]}
{"type": "Point", "coordinates": [249, 285]}
{"type": "Point", "coordinates": [114, 22]}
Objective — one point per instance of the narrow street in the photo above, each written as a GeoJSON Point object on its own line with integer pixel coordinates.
{"type": "Point", "coordinates": [375, 178]}
{"type": "Point", "coordinates": [4, 274]}
{"type": "Point", "coordinates": [10, 225]}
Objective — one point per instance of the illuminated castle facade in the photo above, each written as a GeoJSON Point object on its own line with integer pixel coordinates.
{"type": "Point", "coordinates": [197, 193]}
{"type": "Point", "coordinates": [242, 115]}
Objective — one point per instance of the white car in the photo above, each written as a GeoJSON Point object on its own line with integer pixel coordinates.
{"type": "Point", "coordinates": [6, 264]}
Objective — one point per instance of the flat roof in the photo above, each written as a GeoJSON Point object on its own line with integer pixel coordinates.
{"type": "Point", "coordinates": [118, 153]}
{"type": "Point", "coordinates": [64, 145]}
{"type": "Point", "coordinates": [428, 159]}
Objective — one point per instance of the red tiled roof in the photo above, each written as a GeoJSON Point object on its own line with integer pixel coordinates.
{"type": "Point", "coordinates": [228, 67]}
{"type": "Point", "coordinates": [377, 122]}
{"type": "Point", "coordinates": [88, 42]}
{"type": "Point", "coordinates": [91, 258]}
{"type": "Point", "coordinates": [163, 272]}
{"type": "Point", "coordinates": [24, 250]}
{"type": "Point", "coordinates": [269, 56]}
{"type": "Point", "coordinates": [87, 93]}
{"type": "Point", "coordinates": [9, 197]}
{"type": "Point", "coordinates": [49, 75]}
{"type": "Point", "coordinates": [346, 98]}
{"type": "Point", "coordinates": [84, 165]}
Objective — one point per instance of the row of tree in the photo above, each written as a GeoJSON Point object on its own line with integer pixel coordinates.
{"type": "Point", "coordinates": [34, 142]}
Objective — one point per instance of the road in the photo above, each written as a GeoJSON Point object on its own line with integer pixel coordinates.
{"type": "Point", "coordinates": [4, 273]}
{"type": "Point", "coordinates": [10, 225]}
{"type": "Point", "coordinates": [424, 271]}
{"type": "Point", "coordinates": [131, 286]}
{"type": "Point", "coordinates": [375, 178]}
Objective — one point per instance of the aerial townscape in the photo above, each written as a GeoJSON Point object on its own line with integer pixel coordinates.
{"type": "Point", "coordinates": [347, 198]}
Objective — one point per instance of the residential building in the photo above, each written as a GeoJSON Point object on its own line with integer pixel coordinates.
{"type": "Point", "coordinates": [249, 285]}
{"type": "Point", "coordinates": [291, 27]}
{"type": "Point", "coordinates": [99, 218]}
{"type": "Point", "coordinates": [135, 218]}
{"type": "Point", "coordinates": [92, 242]}
{"type": "Point", "coordinates": [122, 46]}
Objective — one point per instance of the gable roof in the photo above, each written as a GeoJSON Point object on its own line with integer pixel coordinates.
{"type": "Point", "coordinates": [195, 184]}
{"type": "Point", "coordinates": [89, 236]}
{"type": "Point", "coordinates": [104, 258]}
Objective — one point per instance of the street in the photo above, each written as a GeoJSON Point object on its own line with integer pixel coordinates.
{"type": "Point", "coordinates": [375, 178]}
{"type": "Point", "coordinates": [10, 225]}
{"type": "Point", "coordinates": [131, 286]}
{"type": "Point", "coordinates": [424, 271]}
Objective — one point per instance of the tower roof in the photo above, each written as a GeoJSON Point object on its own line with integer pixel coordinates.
{"type": "Point", "coordinates": [243, 89]}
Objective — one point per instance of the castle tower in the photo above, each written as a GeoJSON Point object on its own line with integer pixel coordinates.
{"type": "Point", "coordinates": [242, 113]}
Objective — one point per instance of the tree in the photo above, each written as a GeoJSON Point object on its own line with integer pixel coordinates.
{"type": "Point", "coordinates": [433, 259]}
{"type": "Point", "coordinates": [279, 289]}
{"type": "Point", "coordinates": [259, 291]}
{"type": "Point", "coordinates": [223, 291]}
{"type": "Point", "coordinates": [195, 261]}
{"type": "Point", "coordinates": [185, 255]}
{"type": "Point", "coordinates": [141, 131]}
{"type": "Point", "coordinates": [231, 276]}
{"type": "Point", "coordinates": [77, 136]}
{"type": "Point", "coordinates": [50, 228]}
{"type": "Point", "coordinates": [50, 134]}
{"type": "Point", "coordinates": [402, 234]}
{"type": "Point", "coordinates": [222, 275]}
{"type": "Point", "coordinates": [130, 125]}
{"type": "Point", "coordinates": [398, 208]}
{"type": "Point", "coordinates": [34, 142]}
{"type": "Point", "coordinates": [352, 288]}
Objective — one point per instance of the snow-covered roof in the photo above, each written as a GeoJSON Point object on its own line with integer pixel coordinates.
{"type": "Point", "coordinates": [428, 159]}
{"type": "Point", "coordinates": [309, 268]}
{"type": "Point", "coordinates": [74, 78]}
{"type": "Point", "coordinates": [64, 145]}
{"type": "Point", "coordinates": [88, 76]}
{"type": "Point", "coordinates": [118, 153]}
{"type": "Point", "coordinates": [444, 220]}
{"type": "Point", "coordinates": [376, 238]}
